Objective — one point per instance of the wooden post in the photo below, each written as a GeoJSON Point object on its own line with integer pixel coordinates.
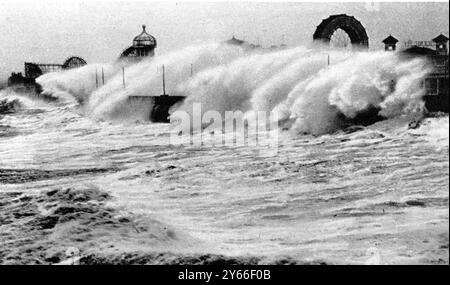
{"type": "Point", "coordinates": [96, 79]}
{"type": "Point", "coordinates": [164, 80]}
{"type": "Point", "coordinates": [328, 60]}
{"type": "Point", "coordinates": [103, 77]}
{"type": "Point", "coordinates": [191, 69]}
{"type": "Point", "coordinates": [123, 76]}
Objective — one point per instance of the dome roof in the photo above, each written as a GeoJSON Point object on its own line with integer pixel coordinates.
{"type": "Point", "coordinates": [144, 39]}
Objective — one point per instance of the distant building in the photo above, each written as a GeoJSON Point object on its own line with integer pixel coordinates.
{"type": "Point", "coordinates": [390, 43]}
{"type": "Point", "coordinates": [252, 47]}
{"type": "Point", "coordinates": [441, 44]}
{"type": "Point", "coordinates": [436, 82]}
{"type": "Point", "coordinates": [143, 46]}
{"type": "Point", "coordinates": [235, 41]}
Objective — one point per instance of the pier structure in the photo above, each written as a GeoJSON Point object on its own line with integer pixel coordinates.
{"type": "Point", "coordinates": [159, 106]}
{"type": "Point", "coordinates": [143, 46]}
{"type": "Point", "coordinates": [342, 31]}
{"type": "Point", "coordinates": [34, 70]}
{"type": "Point", "coordinates": [436, 83]}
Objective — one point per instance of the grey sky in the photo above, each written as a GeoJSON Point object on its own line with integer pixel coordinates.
{"type": "Point", "coordinates": [49, 32]}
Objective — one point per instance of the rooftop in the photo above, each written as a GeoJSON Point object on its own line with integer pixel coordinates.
{"type": "Point", "coordinates": [144, 39]}
{"type": "Point", "coordinates": [390, 40]}
{"type": "Point", "coordinates": [440, 39]}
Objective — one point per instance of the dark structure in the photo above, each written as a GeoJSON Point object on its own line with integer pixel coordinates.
{"type": "Point", "coordinates": [73, 62]}
{"type": "Point", "coordinates": [252, 47]}
{"type": "Point", "coordinates": [23, 82]}
{"type": "Point", "coordinates": [436, 83]}
{"type": "Point", "coordinates": [390, 43]}
{"type": "Point", "coordinates": [352, 27]}
{"type": "Point", "coordinates": [143, 46]}
{"type": "Point", "coordinates": [235, 41]}
{"type": "Point", "coordinates": [441, 44]}
{"type": "Point", "coordinates": [160, 105]}
{"type": "Point", "coordinates": [34, 70]}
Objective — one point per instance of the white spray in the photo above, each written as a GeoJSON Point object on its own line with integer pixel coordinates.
{"type": "Point", "coordinates": [297, 83]}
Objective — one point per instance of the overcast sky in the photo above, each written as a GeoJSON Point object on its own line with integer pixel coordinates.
{"type": "Point", "coordinates": [49, 32]}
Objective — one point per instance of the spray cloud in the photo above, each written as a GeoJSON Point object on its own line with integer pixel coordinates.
{"type": "Point", "coordinates": [296, 83]}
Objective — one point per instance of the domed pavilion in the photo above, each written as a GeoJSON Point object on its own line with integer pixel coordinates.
{"type": "Point", "coordinates": [143, 46]}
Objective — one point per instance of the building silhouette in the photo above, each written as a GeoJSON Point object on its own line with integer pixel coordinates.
{"type": "Point", "coordinates": [143, 46]}
{"type": "Point", "coordinates": [34, 70]}
{"type": "Point", "coordinates": [441, 44]}
{"type": "Point", "coordinates": [436, 83]}
{"type": "Point", "coordinates": [390, 43]}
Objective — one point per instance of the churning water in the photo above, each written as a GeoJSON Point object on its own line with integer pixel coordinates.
{"type": "Point", "coordinates": [330, 193]}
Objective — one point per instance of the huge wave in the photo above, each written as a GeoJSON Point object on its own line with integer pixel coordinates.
{"type": "Point", "coordinates": [312, 88]}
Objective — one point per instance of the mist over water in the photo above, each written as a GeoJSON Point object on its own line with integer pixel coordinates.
{"type": "Point", "coordinates": [309, 87]}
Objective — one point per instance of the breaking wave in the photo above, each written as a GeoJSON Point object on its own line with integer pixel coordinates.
{"type": "Point", "coordinates": [9, 106]}
{"type": "Point", "coordinates": [312, 89]}
{"type": "Point", "coordinates": [12, 101]}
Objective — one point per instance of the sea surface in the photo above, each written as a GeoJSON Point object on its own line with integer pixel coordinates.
{"type": "Point", "coordinates": [376, 194]}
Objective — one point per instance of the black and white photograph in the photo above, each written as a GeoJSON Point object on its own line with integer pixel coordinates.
{"type": "Point", "coordinates": [224, 133]}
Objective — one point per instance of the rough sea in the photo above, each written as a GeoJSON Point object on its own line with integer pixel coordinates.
{"type": "Point", "coordinates": [332, 192]}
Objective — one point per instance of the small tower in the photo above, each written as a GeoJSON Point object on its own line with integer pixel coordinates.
{"type": "Point", "coordinates": [390, 43]}
{"type": "Point", "coordinates": [441, 44]}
